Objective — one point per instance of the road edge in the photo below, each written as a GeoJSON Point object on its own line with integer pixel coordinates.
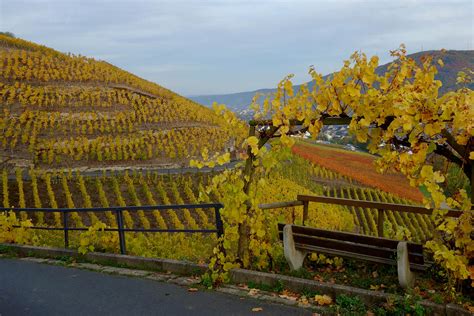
{"type": "Point", "coordinates": [238, 276]}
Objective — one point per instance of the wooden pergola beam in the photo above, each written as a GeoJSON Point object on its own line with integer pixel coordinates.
{"type": "Point", "coordinates": [330, 120]}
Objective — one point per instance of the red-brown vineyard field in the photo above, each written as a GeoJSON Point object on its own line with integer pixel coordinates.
{"type": "Point", "coordinates": [359, 167]}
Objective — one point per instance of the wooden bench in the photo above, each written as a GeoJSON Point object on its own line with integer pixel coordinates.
{"type": "Point", "coordinates": [298, 241]}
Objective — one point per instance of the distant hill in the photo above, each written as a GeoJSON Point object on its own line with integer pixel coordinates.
{"type": "Point", "coordinates": [454, 62]}
{"type": "Point", "coordinates": [66, 111]}
{"type": "Point", "coordinates": [236, 101]}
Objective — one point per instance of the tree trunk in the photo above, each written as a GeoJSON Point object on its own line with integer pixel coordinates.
{"type": "Point", "coordinates": [244, 229]}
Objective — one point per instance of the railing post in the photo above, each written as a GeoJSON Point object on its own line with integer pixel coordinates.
{"type": "Point", "coordinates": [66, 229]}
{"type": "Point", "coordinates": [380, 220]}
{"type": "Point", "coordinates": [121, 233]}
{"type": "Point", "coordinates": [305, 211]}
{"type": "Point", "coordinates": [219, 224]}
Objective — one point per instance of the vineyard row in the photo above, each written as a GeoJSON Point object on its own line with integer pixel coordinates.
{"type": "Point", "coordinates": [64, 190]}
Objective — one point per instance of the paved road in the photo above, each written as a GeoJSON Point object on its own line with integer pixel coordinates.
{"type": "Point", "coordinates": [28, 288]}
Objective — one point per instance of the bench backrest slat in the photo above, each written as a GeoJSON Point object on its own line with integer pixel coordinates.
{"type": "Point", "coordinates": [355, 238]}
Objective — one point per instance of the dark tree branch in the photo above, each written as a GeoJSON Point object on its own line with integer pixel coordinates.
{"type": "Point", "coordinates": [452, 142]}
{"type": "Point", "coordinates": [343, 119]}
{"type": "Point", "coordinates": [448, 154]}
{"type": "Point", "coordinates": [266, 135]}
{"type": "Point", "coordinates": [442, 151]}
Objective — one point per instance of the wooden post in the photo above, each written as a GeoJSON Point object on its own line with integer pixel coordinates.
{"type": "Point", "coordinates": [305, 211]}
{"type": "Point", "coordinates": [380, 219]}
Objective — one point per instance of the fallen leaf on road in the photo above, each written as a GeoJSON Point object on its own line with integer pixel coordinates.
{"type": "Point", "coordinates": [289, 295]}
{"type": "Point", "coordinates": [253, 292]}
{"type": "Point", "coordinates": [192, 289]}
{"type": "Point", "coordinates": [377, 287]}
{"type": "Point", "coordinates": [257, 309]}
{"type": "Point", "coordinates": [323, 300]}
{"type": "Point", "coordinates": [318, 278]}
{"type": "Point", "coordinates": [303, 300]}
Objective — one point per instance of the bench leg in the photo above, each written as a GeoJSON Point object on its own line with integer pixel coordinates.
{"type": "Point", "coordinates": [294, 257]}
{"type": "Point", "coordinates": [406, 278]}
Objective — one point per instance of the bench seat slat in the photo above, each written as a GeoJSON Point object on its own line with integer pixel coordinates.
{"type": "Point", "coordinates": [355, 238]}
{"type": "Point", "coordinates": [345, 254]}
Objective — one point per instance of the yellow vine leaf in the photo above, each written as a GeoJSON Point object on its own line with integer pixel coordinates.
{"type": "Point", "coordinates": [223, 159]}
{"type": "Point", "coordinates": [252, 141]}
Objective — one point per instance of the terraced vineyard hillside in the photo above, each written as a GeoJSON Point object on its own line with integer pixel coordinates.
{"type": "Point", "coordinates": [134, 188]}
{"type": "Point", "coordinates": [324, 181]}
{"type": "Point", "coordinates": [71, 190]}
{"type": "Point", "coordinates": [66, 189]}
{"type": "Point", "coordinates": [358, 167]}
{"type": "Point", "coordinates": [62, 110]}
{"type": "Point", "coordinates": [58, 189]}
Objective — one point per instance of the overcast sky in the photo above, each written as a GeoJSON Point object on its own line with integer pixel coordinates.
{"type": "Point", "coordinates": [210, 47]}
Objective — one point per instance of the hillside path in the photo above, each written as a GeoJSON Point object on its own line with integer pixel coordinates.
{"type": "Point", "coordinates": [29, 288]}
{"type": "Point", "coordinates": [98, 172]}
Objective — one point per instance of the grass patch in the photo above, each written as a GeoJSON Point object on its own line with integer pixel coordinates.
{"type": "Point", "coordinates": [349, 305]}
{"type": "Point", "coordinates": [7, 250]}
{"type": "Point", "coordinates": [277, 287]}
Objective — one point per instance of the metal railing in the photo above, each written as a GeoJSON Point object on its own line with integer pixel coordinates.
{"type": "Point", "coordinates": [121, 229]}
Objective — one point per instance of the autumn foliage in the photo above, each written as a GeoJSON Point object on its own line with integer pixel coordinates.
{"type": "Point", "coordinates": [359, 167]}
{"type": "Point", "coordinates": [402, 118]}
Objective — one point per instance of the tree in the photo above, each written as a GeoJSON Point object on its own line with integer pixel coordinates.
{"type": "Point", "coordinates": [401, 117]}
